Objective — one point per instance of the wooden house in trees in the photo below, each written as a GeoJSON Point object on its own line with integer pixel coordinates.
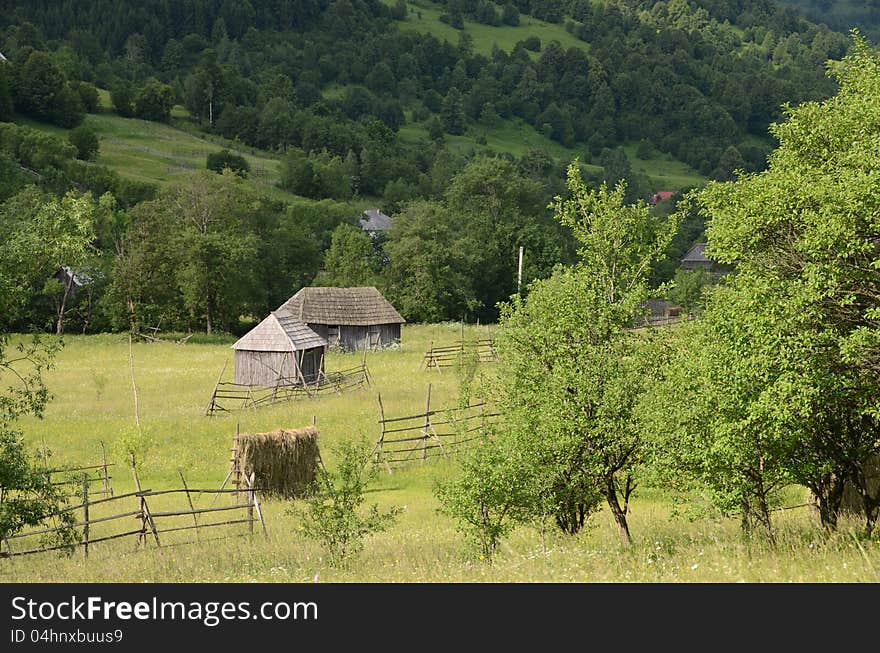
{"type": "Point", "coordinates": [352, 319]}
{"type": "Point", "coordinates": [280, 350]}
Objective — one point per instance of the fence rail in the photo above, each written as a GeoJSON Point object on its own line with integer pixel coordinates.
{"type": "Point", "coordinates": [440, 357]}
{"type": "Point", "coordinates": [148, 528]}
{"type": "Point", "coordinates": [418, 434]}
{"type": "Point", "coordinates": [228, 397]}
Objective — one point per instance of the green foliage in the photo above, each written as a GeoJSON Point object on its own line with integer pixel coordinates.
{"type": "Point", "coordinates": [782, 376]}
{"type": "Point", "coordinates": [218, 161]}
{"type": "Point", "coordinates": [29, 498]}
{"type": "Point", "coordinates": [491, 494]}
{"type": "Point", "coordinates": [88, 95]}
{"type": "Point", "coordinates": [154, 101]}
{"type": "Point", "coordinates": [42, 92]}
{"type": "Point", "coordinates": [688, 289]}
{"type": "Point", "coordinates": [574, 370]}
{"type": "Point", "coordinates": [353, 259]}
{"type": "Point", "coordinates": [332, 515]}
{"type": "Point", "coordinates": [85, 140]}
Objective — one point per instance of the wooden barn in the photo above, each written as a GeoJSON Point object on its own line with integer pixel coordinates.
{"type": "Point", "coordinates": [280, 350]}
{"type": "Point", "coordinates": [352, 319]}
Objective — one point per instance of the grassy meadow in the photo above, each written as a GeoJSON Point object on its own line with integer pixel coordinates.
{"type": "Point", "coordinates": [93, 402]}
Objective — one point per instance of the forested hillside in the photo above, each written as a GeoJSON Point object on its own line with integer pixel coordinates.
{"type": "Point", "coordinates": [361, 99]}
{"type": "Point", "coordinates": [842, 15]}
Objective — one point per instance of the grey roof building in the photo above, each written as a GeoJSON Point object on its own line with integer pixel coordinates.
{"type": "Point", "coordinates": [695, 259]}
{"type": "Point", "coordinates": [279, 350]}
{"type": "Point", "coordinates": [374, 221]}
{"type": "Point", "coordinates": [350, 318]}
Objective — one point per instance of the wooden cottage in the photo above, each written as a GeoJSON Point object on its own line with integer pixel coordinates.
{"type": "Point", "coordinates": [352, 319]}
{"type": "Point", "coordinates": [280, 350]}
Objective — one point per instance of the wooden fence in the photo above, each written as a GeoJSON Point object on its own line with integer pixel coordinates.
{"type": "Point", "coordinates": [428, 434]}
{"type": "Point", "coordinates": [131, 515]}
{"type": "Point", "coordinates": [439, 357]}
{"type": "Point", "coordinates": [228, 396]}
{"type": "Point", "coordinates": [98, 476]}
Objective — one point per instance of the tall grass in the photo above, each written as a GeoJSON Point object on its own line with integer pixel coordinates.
{"type": "Point", "coordinates": [93, 402]}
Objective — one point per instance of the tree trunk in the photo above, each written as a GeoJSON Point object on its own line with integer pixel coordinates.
{"type": "Point", "coordinates": [209, 311]}
{"type": "Point", "coordinates": [59, 326]}
{"type": "Point", "coordinates": [619, 513]}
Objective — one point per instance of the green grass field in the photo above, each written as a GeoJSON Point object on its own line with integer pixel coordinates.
{"type": "Point", "coordinates": [93, 402]}
{"type": "Point", "coordinates": [424, 17]}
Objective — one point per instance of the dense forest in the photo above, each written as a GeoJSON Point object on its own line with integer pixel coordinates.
{"type": "Point", "coordinates": [330, 87]}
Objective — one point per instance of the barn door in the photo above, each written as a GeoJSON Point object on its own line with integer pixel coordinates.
{"type": "Point", "coordinates": [374, 337]}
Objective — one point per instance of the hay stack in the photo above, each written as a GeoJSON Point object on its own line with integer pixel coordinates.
{"type": "Point", "coordinates": [284, 462]}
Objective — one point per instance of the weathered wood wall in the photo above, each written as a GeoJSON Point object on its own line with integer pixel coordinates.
{"type": "Point", "coordinates": [354, 338]}
{"type": "Point", "coordinates": [265, 367]}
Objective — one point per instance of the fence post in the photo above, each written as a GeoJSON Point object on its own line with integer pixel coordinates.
{"type": "Point", "coordinates": [108, 489]}
{"type": "Point", "coordinates": [256, 505]}
{"type": "Point", "coordinates": [427, 423]}
{"type": "Point", "coordinates": [250, 502]}
{"type": "Point", "coordinates": [189, 500]}
{"type": "Point", "coordinates": [146, 518]}
{"type": "Point", "coordinates": [85, 498]}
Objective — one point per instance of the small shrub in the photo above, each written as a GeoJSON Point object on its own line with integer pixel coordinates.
{"type": "Point", "coordinates": [218, 161]}
{"type": "Point", "coordinates": [332, 514]}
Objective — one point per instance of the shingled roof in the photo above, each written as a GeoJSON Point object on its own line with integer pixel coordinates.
{"type": "Point", "coordinates": [695, 254]}
{"type": "Point", "coordinates": [375, 220]}
{"type": "Point", "coordinates": [280, 331]}
{"type": "Point", "coordinates": [362, 306]}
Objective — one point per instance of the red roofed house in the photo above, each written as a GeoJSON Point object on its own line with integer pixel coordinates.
{"type": "Point", "coordinates": [661, 195]}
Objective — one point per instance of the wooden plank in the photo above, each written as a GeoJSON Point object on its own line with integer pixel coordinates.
{"type": "Point", "coordinates": [198, 511]}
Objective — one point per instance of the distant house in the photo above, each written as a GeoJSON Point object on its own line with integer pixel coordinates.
{"type": "Point", "coordinates": [279, 350]}
{"type": "Point", "coordinates": [375, 222]}
{"type": "Point", "coordinates": [350, 318]}
{"type": "Point", "coordinates": [695, 259]}
{"type": "Point", "coordinates": [661, 195]}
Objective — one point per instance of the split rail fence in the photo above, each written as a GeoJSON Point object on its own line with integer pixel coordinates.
{"type": "Point", "coordinates": [228, 397]}
{"type": "Point", "coordinates": [447, 356]}
{"type": "Point", "coordinates": [142, 516]}
{"type": "Point", "coordinates": [98, 476]}
{"type": "Point", "coordinates": [428, 434]}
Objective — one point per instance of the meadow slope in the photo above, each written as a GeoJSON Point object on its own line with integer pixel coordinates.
{"type": "Point", "coordinates": [93, 402]}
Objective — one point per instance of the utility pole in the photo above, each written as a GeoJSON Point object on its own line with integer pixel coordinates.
{"type": "Point", "coordinates": [519, 272]}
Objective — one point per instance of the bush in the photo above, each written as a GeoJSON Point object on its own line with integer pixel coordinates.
{"type": "Point", "coordinates": [88, 94]}
{"type": "Point", "coordinates": [85, 140]}
{"type": "Point", "coordinates": [332, 516]}
{"type": "Point", "coordinates": [218, 161]}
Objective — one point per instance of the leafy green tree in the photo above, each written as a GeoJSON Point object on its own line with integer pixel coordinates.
{"type": "Point", "coordinates": [426, 277]}
{"type": "Point", "coordinates": [39, 82]}
{"type": "Point", "coordinates": [575, 370]}
{"type": "Point", "coordinates": [805, 232]}
{"type": "Point", "coordinates": [154, 101]}
{"type": "Point", "coordinates": [85, 140]}
{"type": "Point", "coordinates": [88, 95]}
{"type": "Point", "coordinates": [122, 98]}
{"type": "Point", "coordinates": [42, 234]}
{"type": "Point", "coordinates": [352, 260]}
{"type": "Point", "coordinates": [452, 115]}
{"type": "Point", "coordinates": [332, 515]}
